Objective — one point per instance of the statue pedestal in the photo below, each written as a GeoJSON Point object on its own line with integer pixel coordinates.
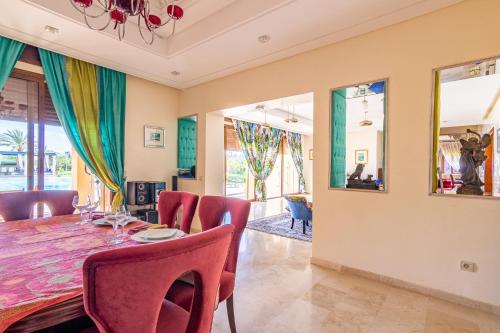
{"type": "Point", "coordinates": [359, 184]}
{"type": "Point", "coordinates": [470, 190]}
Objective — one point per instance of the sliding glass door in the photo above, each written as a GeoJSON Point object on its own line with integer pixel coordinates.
{"type": "Point", "coordinates": [34, 150]}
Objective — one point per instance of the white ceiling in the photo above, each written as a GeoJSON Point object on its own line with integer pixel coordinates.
{"type": "Point", "coordinates": [355, 112]}
{"type": "Point", "coordinates": [215, 38]}
{"type": "Point", "coordinates": [276, 111]}
{"type": "Point", "coordinates": [465, 102]}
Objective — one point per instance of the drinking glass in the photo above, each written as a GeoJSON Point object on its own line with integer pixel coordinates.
{"type": "Point", "coordinates": [124, 222]}
{"type": "Point", "coordinates": [91, 209]}
{"type": "Point", "coordinates": [81, 206]}
{"type": "Point", "coordinates": [119, 219]}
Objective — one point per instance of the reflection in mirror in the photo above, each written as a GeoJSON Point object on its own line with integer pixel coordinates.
{"type": "Point", "coordinates": [187, 132]}
{"type": "Point", "coordinates": [466, 125]}
{"type": "Point", "coordinates": [357, 138]}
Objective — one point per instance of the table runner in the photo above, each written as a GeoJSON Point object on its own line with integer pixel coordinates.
{"type": "Point", "coordinates": [41, 262]}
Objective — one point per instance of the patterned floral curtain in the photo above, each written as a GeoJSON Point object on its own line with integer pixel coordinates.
{"type": "Point", "coordinates": [294, 141]}
{"type": "Point", "coordinates": [260, 146]}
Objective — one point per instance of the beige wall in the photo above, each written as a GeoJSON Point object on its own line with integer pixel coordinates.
{"type": "Point", "coordinates": [152, 104]}
{"type": "Point", "coordinates": [363, 140]}
{"type": "Point", "coordinates": [406, 233]}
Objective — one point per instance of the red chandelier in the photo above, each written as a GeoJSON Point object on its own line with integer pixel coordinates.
{"type": "Point", "coordinates": [118, 11]}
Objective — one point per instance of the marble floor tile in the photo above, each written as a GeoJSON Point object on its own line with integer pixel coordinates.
{"type": "Point", "coordinates": [279, 291]}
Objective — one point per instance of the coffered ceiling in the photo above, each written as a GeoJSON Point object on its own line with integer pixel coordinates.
{"type": "Point", "coordinates": [215, 38]}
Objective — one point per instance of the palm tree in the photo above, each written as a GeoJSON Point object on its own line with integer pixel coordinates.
{"type": "Point", "coordinates": [16, 140]}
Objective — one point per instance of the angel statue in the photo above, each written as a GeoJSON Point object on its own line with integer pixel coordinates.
{"type": "Point", "coordinates": [472, 156]}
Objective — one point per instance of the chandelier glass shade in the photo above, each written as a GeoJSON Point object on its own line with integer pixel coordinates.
{"type": "Point", "coordinates": [151, 15]}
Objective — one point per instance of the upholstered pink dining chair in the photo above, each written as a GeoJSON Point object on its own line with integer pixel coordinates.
{"type": "Point", "coordinates": [170, 202]}
{"type": "Point", "coordinates": [60, 202]}
{"type": "Point", "coordinates": [18, 205]}
{"type": "Point", "coordinates": [212, 211]}
{"type": "Point", "coordinates": [124, 289]}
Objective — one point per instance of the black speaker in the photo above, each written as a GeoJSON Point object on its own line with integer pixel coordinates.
{"type": "Point", "coordinates": [147, 215]}
{"type": "Point", "coordinates": [155, 189]}
{"type": "Point", "coordinates": [174, 183]}
{"type": "Point", "coordinates": [138, 193]}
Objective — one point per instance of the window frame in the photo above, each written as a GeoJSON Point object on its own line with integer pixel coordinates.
{"type": "Point", "coordinates": [385, 163]}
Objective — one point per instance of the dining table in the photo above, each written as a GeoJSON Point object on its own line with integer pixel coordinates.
{"type": "Point", "coordinates": [41, 283]}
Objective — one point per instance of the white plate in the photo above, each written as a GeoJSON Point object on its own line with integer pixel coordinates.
{"type": "Point", "coordinates": [106, 220]}
{"type": "Point", "coordinates": [157, 233]}
{"type": "Point", "coordinates": [176, 234]}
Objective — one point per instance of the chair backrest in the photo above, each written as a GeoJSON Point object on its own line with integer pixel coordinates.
{"type": "Point", "coordinates": [212, 211]}
{"type": "Point", "coordinates": [124, 289]}
{"type": "Point", "coordinates": [17, 205]}
{"type": "Point", "coordinates": [60, 202]}
{"type": "Point", "coordinates": [298, 208]}
{"type": "Point", "coordinates": [169, 203]}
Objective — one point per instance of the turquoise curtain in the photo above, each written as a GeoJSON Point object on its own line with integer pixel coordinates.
{"type": "Point", "coordinates": [260, 147]}
{"type": "Point", "coordinates": [54, 68]}
{"type": "Point", "coordinates": [112, 88]}
{"type": "Point", "coordinates": [90, 103]}
{"type": "Point", "coordinates": [338, 139]}
{"type": "Point", "coordinates": [10, 51]}
{"type": "Point", "coordinates": [294, 142]}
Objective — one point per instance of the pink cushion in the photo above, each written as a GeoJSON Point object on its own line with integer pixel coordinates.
{"type": "Point", "coordinates": [181, 293]}
{"type": "Point", "coordinates": [172, 318]}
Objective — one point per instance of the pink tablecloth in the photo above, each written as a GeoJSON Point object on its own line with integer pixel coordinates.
{"type": "Point", "coordinates": [41, 262]}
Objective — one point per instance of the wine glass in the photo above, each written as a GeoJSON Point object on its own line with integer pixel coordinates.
{"type": "Point", "coordinates": [81, 206]}
{"type": "Point", "coordinates": [123, 222]}
{"type": "Point", "coordinates": [91, 209]}
{"type": "Point", "coordinates": [118, 219]}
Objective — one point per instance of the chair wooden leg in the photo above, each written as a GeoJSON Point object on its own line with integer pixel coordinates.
{"type": "Point", "coordinates": [304, 227]}
{"type": "Point", "coordinates": [230, 314]}
{"type": "Point", "coordinates": [293, 222]}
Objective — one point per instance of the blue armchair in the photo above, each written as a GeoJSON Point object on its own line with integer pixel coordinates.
{"type": "Point", "coordinates": [299, 210]}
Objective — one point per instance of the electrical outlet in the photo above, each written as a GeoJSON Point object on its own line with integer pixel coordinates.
{"type": "Point", "coordinates": [468, 266]}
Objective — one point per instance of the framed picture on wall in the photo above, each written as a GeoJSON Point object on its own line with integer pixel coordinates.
{"type": "Point", "coordinates": [154, 137]}
{"type": "Point", "coordinates": [361, 156]}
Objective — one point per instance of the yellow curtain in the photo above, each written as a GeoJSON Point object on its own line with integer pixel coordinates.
{"type": "Point", "coordinates": [82, 79]}
{"type": "Point", "coordinates": [436, 130]}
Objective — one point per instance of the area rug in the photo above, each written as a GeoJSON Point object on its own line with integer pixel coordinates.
{"type": "Point", "coordinates": [280, 225]}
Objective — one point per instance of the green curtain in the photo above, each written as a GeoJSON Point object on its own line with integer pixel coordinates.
{"type": "Point", "coordinates": [10, 51]}
{"type": "Point", "coordinates": [54, 69]}
{"type": "Point", "coordinates": [436, 130]}
{"type": "Point", "coordinates": [112, 92]}
{"type": "Point", "coordinates": [294, 142]}
{"type": "Point", "coordinates": [338, 139]}
{"type": "Point", "coordinates": [90, 103]}
{"type": "Point", "coordinates": [260, 147]}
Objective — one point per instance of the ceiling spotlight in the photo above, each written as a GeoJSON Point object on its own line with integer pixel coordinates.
{"type": "Point", "coordinates": [51, 29]}
{"type": "Point", "coordinates": [175, 73]}
{"type": "Point", "coordinates": [264, 39]}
